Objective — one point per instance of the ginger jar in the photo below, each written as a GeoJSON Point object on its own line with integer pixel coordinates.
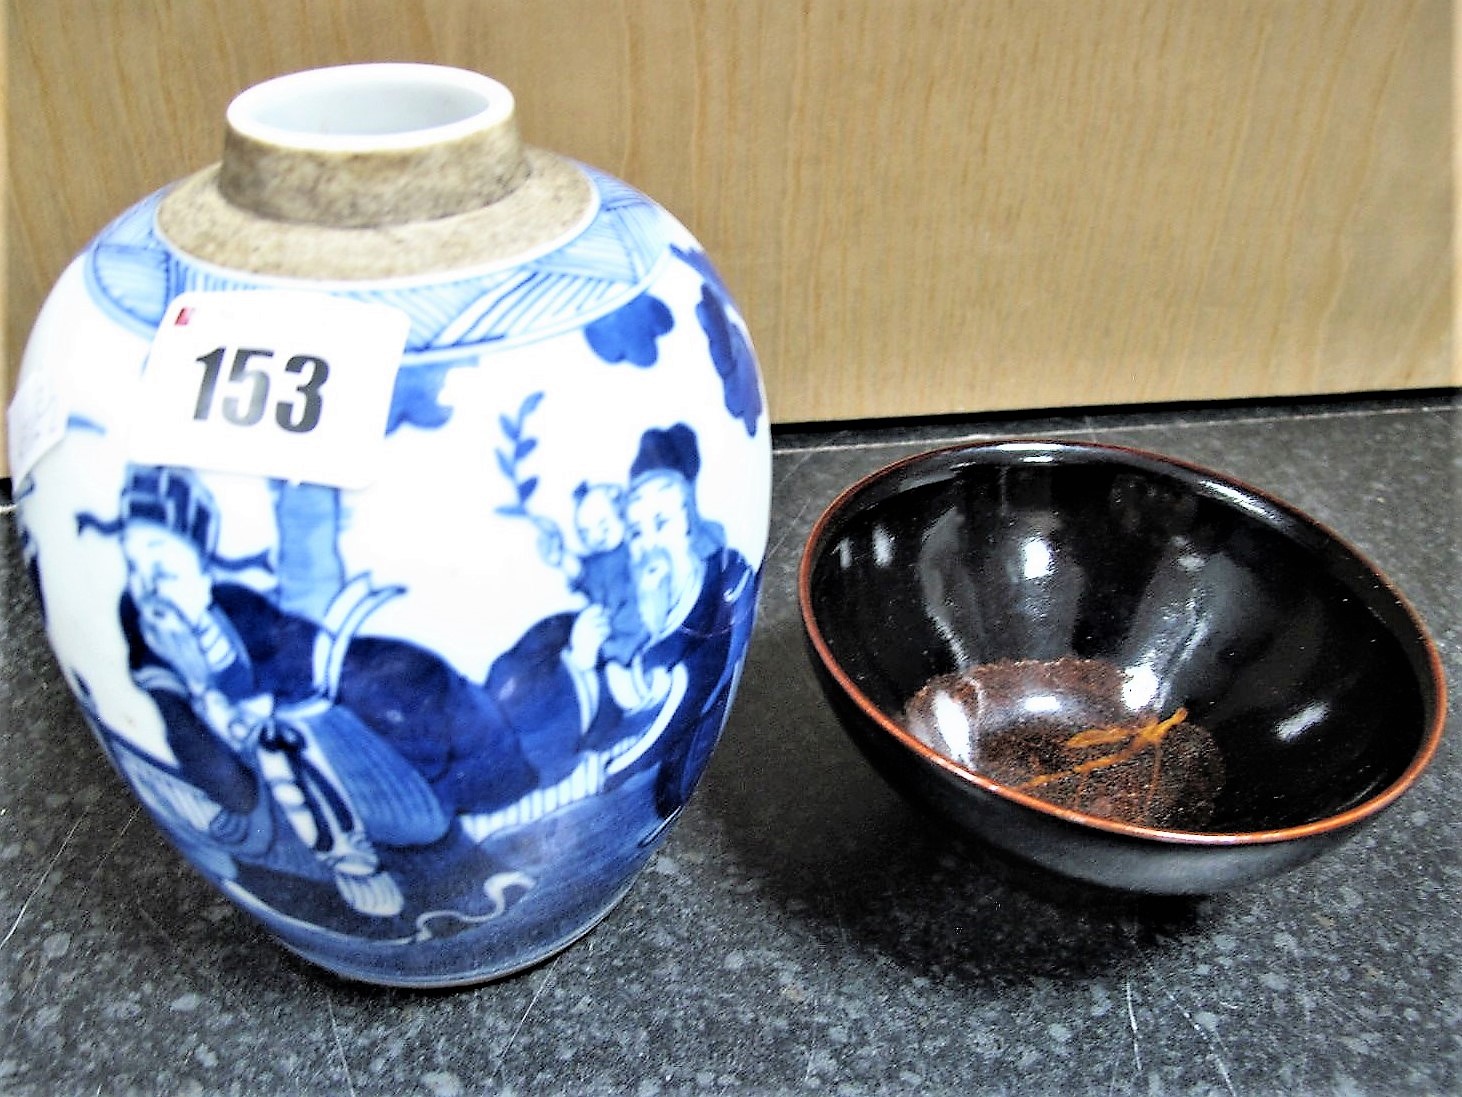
{"type": "Point", "coordinates": [396, 495]}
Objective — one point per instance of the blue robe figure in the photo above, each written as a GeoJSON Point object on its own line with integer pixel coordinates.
{"type": "Point", "coordinates": [317, 771]}
{"type": "Point", "coordinates": [695, 597]}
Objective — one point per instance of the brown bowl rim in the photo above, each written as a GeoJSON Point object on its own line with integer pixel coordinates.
{"type": "Point", "coordinates": [1351, 816]}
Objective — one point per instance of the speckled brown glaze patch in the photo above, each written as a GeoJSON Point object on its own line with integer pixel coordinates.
{"type": "Point", "coordinates": [1060, 730]}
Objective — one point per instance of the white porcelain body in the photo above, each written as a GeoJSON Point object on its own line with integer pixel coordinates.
{"type": "Point", "coordinates": [527, 798]}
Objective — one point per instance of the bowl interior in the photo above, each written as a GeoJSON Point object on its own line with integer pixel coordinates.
{"type": "Point", "coordinates": [1142, 592]}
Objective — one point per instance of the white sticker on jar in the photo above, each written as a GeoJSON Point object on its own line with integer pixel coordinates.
{"type": "Point", "coordinates": [34, 423]}
{"type": "Point", "coordinates": [290, 384]}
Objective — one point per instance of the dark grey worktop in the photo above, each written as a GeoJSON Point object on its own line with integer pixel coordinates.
{"type": "Point", "coordinates": [802, 930]}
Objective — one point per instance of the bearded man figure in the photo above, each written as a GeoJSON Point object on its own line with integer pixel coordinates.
{"type": "Point", "coordinates": [663, 707]}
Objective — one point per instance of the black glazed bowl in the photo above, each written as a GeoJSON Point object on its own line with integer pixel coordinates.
{"type": "Point", "coordinates": [1116, 589]}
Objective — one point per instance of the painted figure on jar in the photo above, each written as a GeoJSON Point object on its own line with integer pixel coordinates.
{"type": "Point", "coordinates": [317, 771]}
{"type": "Point", "coordinates": [571, 700]}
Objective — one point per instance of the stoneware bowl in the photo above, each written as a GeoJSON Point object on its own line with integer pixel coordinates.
{"type": "Point", "coordinates": [1117, 667]}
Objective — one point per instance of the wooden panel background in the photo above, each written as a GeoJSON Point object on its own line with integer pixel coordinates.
{"type": "Point", "coordinates": [923, 206]}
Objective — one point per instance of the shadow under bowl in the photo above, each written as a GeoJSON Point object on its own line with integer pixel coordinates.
{"type": "Point", "coordinates": [1136, 673]}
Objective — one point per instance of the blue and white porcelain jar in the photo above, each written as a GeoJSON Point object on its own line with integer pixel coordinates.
{"type": "Point", "coordinates": [396, 495]}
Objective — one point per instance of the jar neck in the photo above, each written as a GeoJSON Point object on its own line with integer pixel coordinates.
{"type": "Point", "coordinates": [365, 172]}
{"type": "Point", "coordinates": [366, 146]}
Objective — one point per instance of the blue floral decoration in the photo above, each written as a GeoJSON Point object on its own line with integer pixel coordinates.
{"type": "Point", "coordinates": [733, 358]}
{"type": "Point", "coordinates": [517, 445]}
{"type": "Point", "coordinates": [730, 350]}
{"type": "Point", "coordinates": [629, 333]}
{"type": "Point", "coordinates": [416, 399]}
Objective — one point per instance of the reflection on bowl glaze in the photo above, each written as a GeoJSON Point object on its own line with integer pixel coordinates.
{"type": "Point", "coordinates": [1059, 729]}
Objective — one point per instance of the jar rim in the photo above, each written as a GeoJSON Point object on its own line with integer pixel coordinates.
{"type": "Point", "coordinates": [376, 106]}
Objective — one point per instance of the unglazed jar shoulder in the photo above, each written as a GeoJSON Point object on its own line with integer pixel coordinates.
{"type": "Point", "coordinates": [425, 717]}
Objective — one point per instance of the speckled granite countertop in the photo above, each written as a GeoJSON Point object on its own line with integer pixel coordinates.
{"type": "Point", "coordinates": [802, 930]}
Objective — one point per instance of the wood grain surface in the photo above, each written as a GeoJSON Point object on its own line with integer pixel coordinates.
{"type": "Point", "coordinates": [923, 206]}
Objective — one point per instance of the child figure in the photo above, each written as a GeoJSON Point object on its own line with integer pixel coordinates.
{"type": "Point", "coordinates": [602, 574]}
